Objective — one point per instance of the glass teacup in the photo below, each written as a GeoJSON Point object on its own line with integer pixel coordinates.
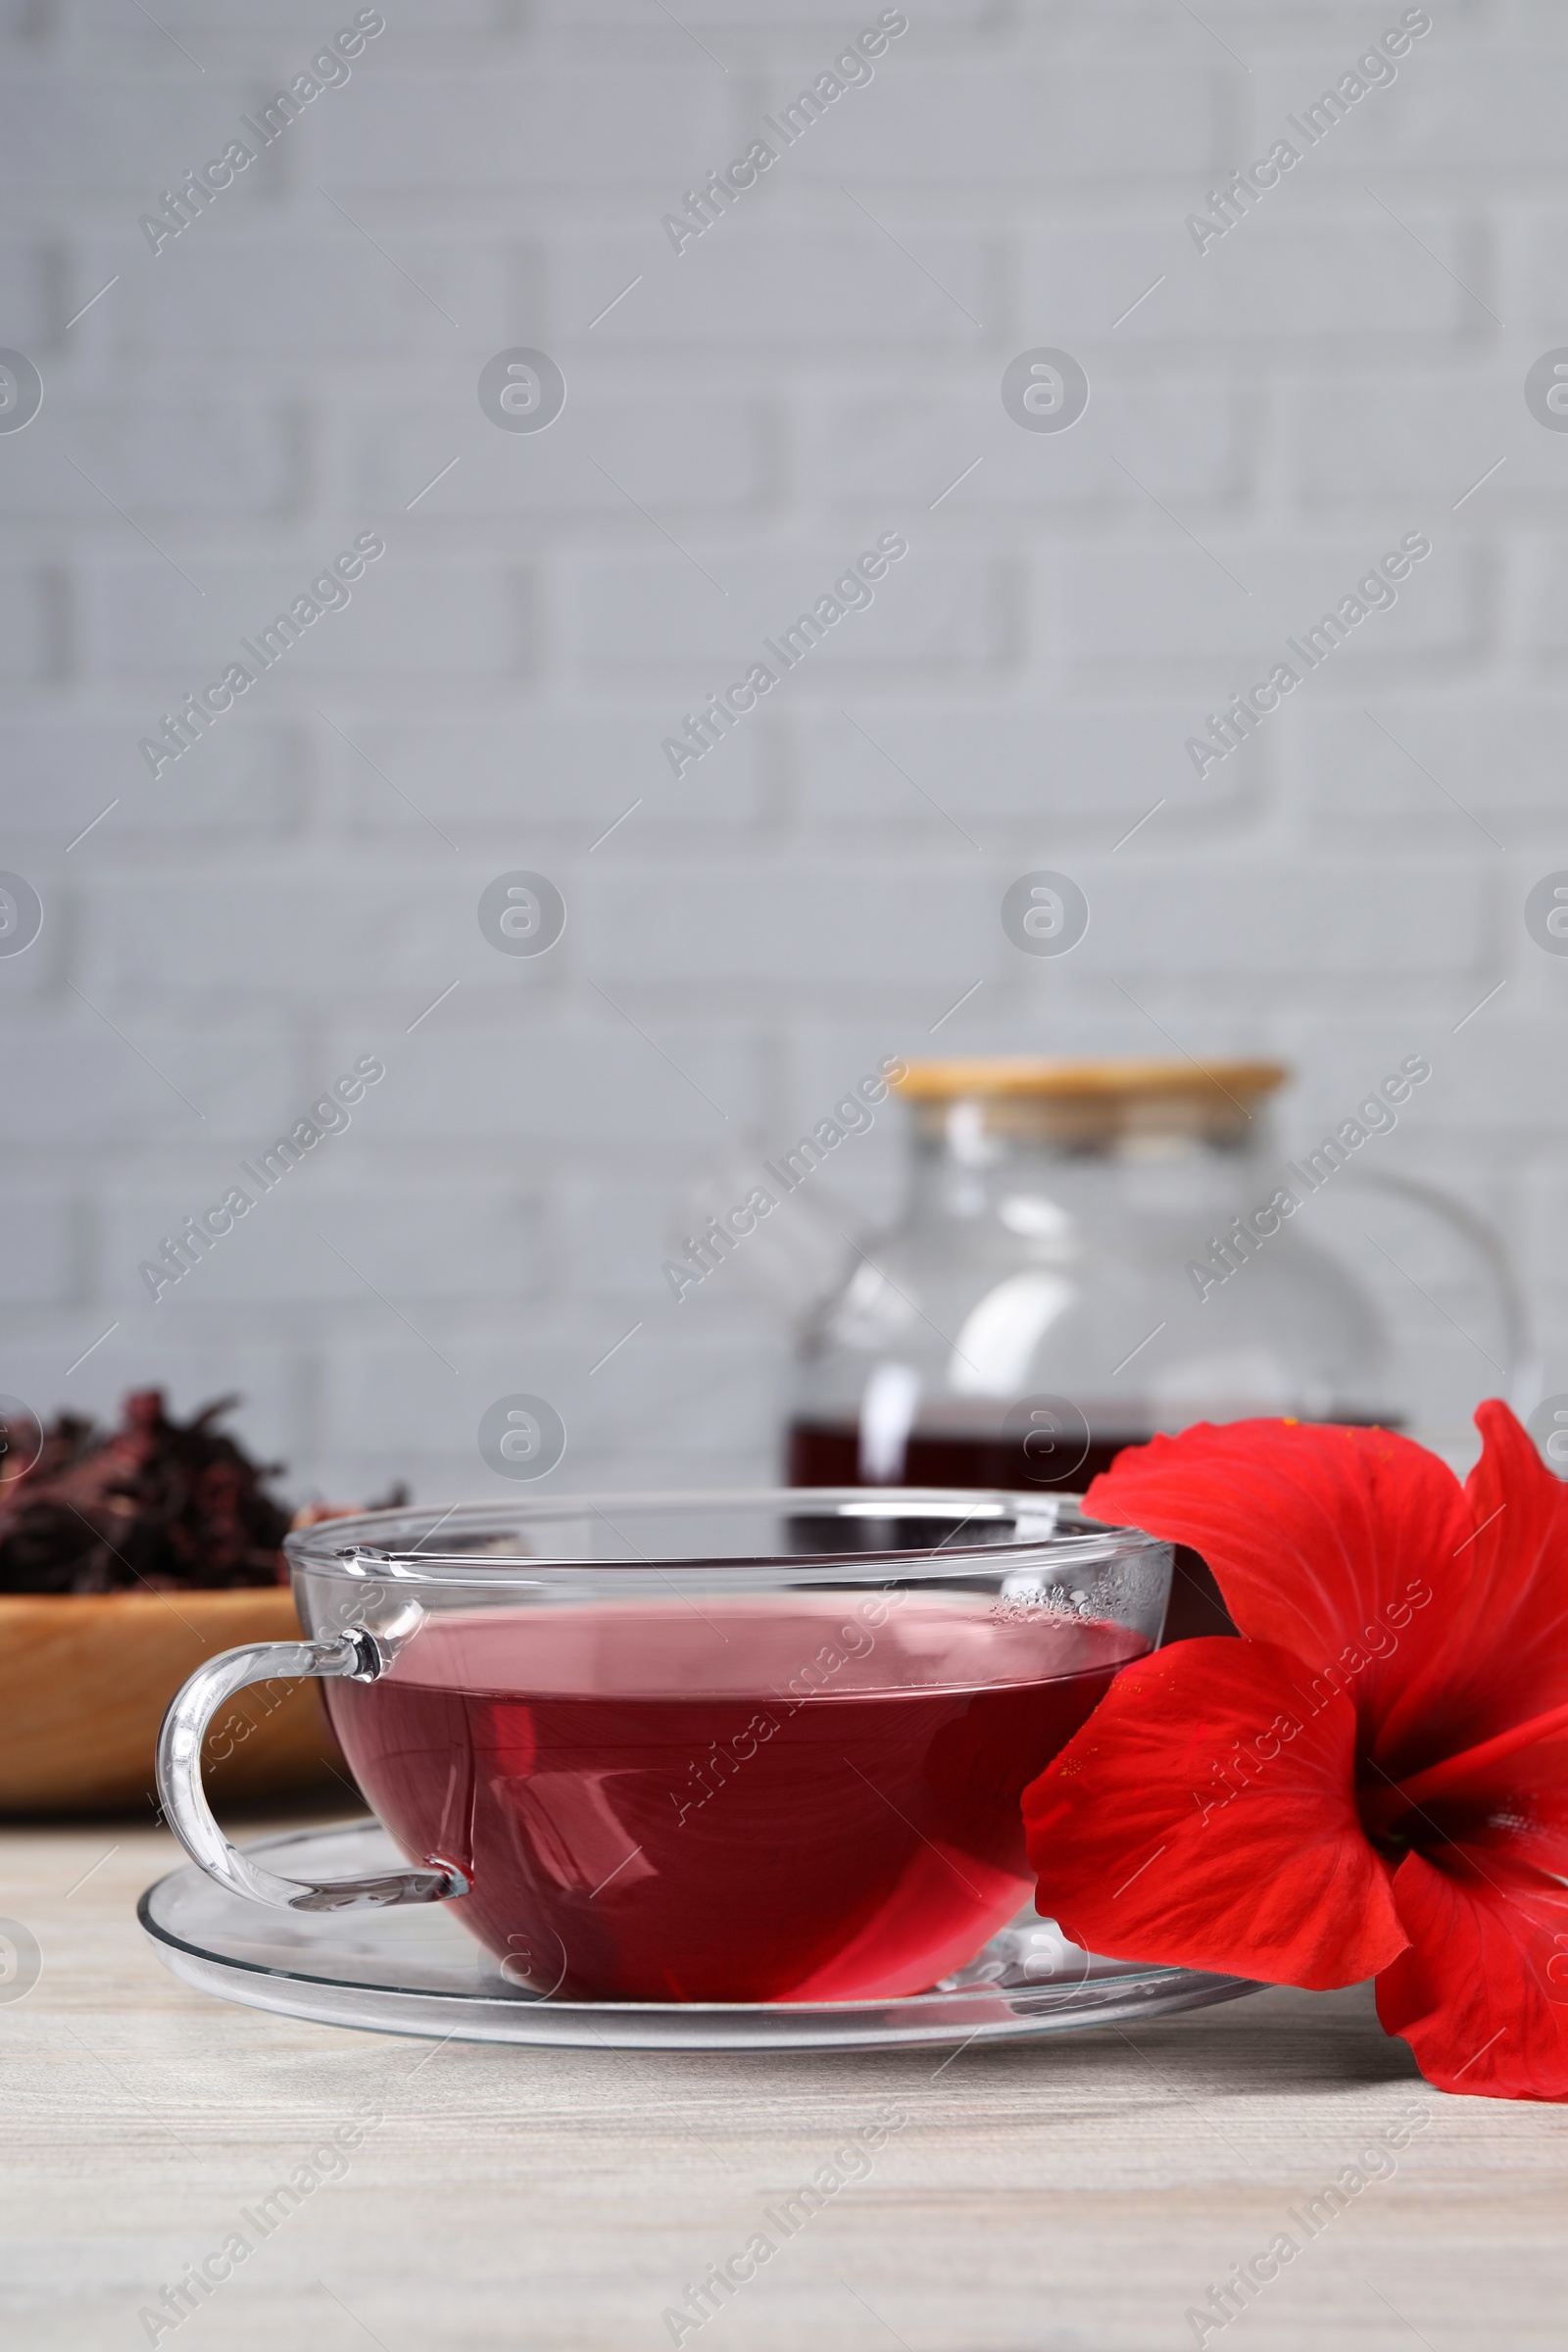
{"type": "Point", "coordinates": [709, 1747]}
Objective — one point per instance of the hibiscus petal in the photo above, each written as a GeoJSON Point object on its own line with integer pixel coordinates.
{"type": "Point", "coordinates": [1334, 1543]}
{"type": "Point", "coordinates": [1504, 1656]}
{"type": "Point", "coordinates": [1146, 1849]}
{"type": "Point", "coordinates": [1481, 1995]}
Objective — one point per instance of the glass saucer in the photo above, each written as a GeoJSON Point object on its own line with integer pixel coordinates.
{"type": "Point", "coordinates": [416, 1971]}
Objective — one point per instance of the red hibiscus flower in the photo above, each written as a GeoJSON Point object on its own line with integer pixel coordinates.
{"type": "Point", "coordinates": [1373, 1780]}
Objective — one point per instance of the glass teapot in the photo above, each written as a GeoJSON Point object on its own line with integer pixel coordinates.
{"type": "Point", "coordinates": [1091, 1253]}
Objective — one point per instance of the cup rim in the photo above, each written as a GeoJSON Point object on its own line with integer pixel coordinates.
{"type": "Point", "coordinates": [374, 1545]}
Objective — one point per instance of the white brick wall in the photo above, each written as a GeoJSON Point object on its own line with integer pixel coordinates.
{"type": "Point", "coordinates": [822, 365]}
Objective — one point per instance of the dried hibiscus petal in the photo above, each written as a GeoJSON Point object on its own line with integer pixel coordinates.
{"type": "Point", "coordinates": [156, 1504]}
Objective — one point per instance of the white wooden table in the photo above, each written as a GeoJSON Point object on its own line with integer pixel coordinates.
{"type": "Point", "coordinates": [1082, 2193]}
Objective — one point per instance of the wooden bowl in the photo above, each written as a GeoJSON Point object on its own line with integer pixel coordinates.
{"type": "Point", "coordinates": [86, 1678]}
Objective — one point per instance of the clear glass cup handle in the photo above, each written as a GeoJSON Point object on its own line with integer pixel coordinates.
{"type": "Point", "coordinates": [355, 1655]}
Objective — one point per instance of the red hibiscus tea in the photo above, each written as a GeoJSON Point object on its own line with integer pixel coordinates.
{"type": "Point", "coordinates": [799, 1796]}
